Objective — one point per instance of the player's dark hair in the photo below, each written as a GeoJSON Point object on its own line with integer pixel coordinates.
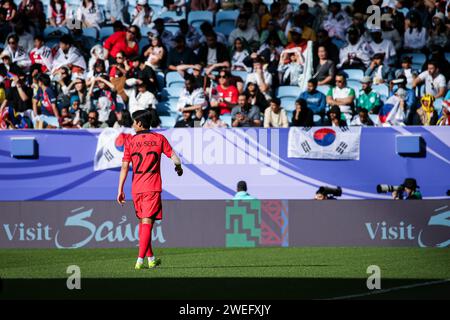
{"type": "Point", "coordinates": [144, 117]}
{"type": "Point", "coordinates": [242, 186]}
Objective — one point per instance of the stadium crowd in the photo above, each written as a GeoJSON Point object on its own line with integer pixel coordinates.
{"type": "Point", "coordinates": [92, 63]}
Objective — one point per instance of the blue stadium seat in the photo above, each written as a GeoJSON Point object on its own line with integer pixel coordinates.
{"type": "Point", "coordinates": [105, 32]}
{"type": "Point", "coordinates": [354, 74]}
{"type": "Point", "coordinates": [242, 74]}
{"type": "Point", "coordinates": [227, 119]}
{"type": "Point", "coordinates": [438, 105]}
{"type": "Point", "coordinates": [174, 79]}
{"type": "Point", "coordinates": [268, 2]}
{"type": "Point", "coordinates": [142, 43]}
{"type": "Point", "coordinates": [196, 18]}
{"type": "Point", "coordinates": [224, 29]}
{"type": "Point", "coordinates": [418, 59]}
{"type": "Point", "coordinates": [157, 9]}
{"type": "Point", "coordinates": [171, 93]}
{"type": "Point", "coordinates": [172, 27]}
{"type": "Point", "coordinates": [156, 2]}
{"type": "Point", "coordinates": [355, 85]}
{"type": "Point", "coordinates": [55, 31]}
{"type": "Point", "coordinates": [324, 89]}
{"type": "Point", "coordinates": [167, 121]}
{"type": "Point", "coordinates": [90, 32]}
{"type": "Point", "coordinates": [226, 17]}
{"type": "Point", "coordinates": [172, 15]}
{"type": "Point", "coordinates": [288, 91]}
{"type": "Point", "coordinates": [381, 89]}
{"type": "Point", "coordinates": [288, 103]}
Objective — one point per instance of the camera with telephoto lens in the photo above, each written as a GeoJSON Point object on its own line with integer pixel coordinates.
{"type": "Point", "coordinates": [385, 188]}
{"type": "Point", "coordinates": [328, 191]}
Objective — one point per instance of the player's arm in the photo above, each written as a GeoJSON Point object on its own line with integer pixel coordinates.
{"type": "Point", "coordinates": [177, 162]}
{"type": "Point", "coordinates": [122, 178]}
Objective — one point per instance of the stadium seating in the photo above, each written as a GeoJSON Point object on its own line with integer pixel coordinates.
{"type": "Point", "coordinates": [174, 79]}
{"type": "Point", "coordinates": [105, 32]}
{"type": "Point", "coordinates": [90, 32]}
{"type": "Point", "coordinates": [167, 121]}
{"type": "Point", "coordinates": [354, 74]}
{"type": "Point", "coordinates": [355, 85]}
{"type": "Point", "coordinates": [324, 89]}
{"type": "Point", "coordinates": [226, 17]}
{"type": "Point", "coordinates": [418, 59]}
{"type": "Point", "coordinates": [224, 29]}
{"type": "Point", "coordinates": [172, 27]}
{"type": "Point", "coordinates": [241, 74]}
{"type": "Point", "coordinates": [381, 89]}
{"type": "Point", "coordinates": [196, 18]}
{"type": "Point", "coordinates": [172, 16]}
{"type": "Point", "coordinates": [288, 95]}
{"type": "Point", "coordinates": [55, 31]}
{"type": "Point", "coordinates": [227, 119]}
{"type": "Point", "coordinates": [438, 105]}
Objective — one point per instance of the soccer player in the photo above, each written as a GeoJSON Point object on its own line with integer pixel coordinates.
{"type": "Point", "coordinates": [144, 151]}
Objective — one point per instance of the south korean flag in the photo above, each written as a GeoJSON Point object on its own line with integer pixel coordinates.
{"type": "Point", "coordinates": [335, 143]}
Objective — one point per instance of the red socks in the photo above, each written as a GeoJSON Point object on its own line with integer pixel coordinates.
{"type": "Point", "coordinates": [145, 238]}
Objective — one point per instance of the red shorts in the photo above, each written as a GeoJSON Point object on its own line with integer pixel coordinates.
{"type": "Point", "coordinates": [148, 205]}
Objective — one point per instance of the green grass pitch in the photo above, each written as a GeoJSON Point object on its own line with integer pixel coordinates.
{"type": "Point", "coordinates": [215, 273]}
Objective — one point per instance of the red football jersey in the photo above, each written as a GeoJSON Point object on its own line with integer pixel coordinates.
{"type": "Point", "coordinates": [144, 151]}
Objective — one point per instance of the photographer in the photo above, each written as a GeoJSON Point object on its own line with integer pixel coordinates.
{"type": "Point", "coordinates": [328, 193]}
{"type": "Point", "coordinates": [407, 191]}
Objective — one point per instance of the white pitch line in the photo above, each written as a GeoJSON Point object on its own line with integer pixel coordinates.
{"type": "Point", "coordinates": [390, 289]}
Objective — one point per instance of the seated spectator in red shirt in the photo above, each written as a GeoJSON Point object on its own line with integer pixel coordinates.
{"type": "Point", "coordinates": [227, 95]}
{"type": "Point", "coordinates": [125, 41]}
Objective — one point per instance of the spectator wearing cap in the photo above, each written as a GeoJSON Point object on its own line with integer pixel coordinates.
{"type": "Point", "coordinates": [213, 54]}
{"type": "Point", "coordinates": [315, 100]}
{"type": "Point", "coordinates": [181, 57]}
{"type": "Point", "coordinates": [389, 32]}
{"type": "Point", "coordinates": [244, 114]}
{"type": "Point", "coordinates": [367, 98]}
{"type": "Point", "coordinates": [214, 120]}
{"type": "Point", "coordinates": [415, 35]}
{"type": "Point", "coordinates": [435, 83]}
{"type": "Point", "coordinates": [241, 192]}
{"type": "Point", "coordinates": [362, 119]}
{"type": "Point", "coordinates": [275, 116]}
{"type": "Point", "coordinates": [379, 45]}
{"type": "Point", "coordinates": [297, 41]}
{"type": "Point", "coordinates": [439, 33]}
{"type": "Point", "coordinates": [355, 54]}
{"type": "Point", "coordinates": [139, 98]}
{"type": "Point", "coordinates": [411, 191]}
{"type": "Point", "coordinates": [243, 31]}
{"type": "Point", "coordinates": [407, 70]}
{"type": "Point", "coordinates": [337, 21]}
{"type": "Point", "coordinates": [410, 99]}
{"type": "Point", "coordinates": [342, 96]}
{"type": "Point", "coordinates": [302, 115]}
{"type": "Point", "coordinates": [335, 118]}
{"type": "Point", "coordinates": [378, 71]}
{"type": "Point", "coordinates": [123, 41]}
{"type": "Point", "coordinates": [260, 76]}
{"type": "Point", "coordinates": [426, 115]}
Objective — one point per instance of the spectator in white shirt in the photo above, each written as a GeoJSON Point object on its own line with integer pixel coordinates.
{"type": "Point", "coordinates": [435, 83]}
{"type": "Point", "coordinates": [380, 45]}
{"type": "Point", "coordinates": [260, 76]}
{"type": "Point", "coordinates": [415, 35]}
{"type": "Point", "coordinates": [275, 116]}
{"type": "Point", "coordinates": [243, 31]}
{"type": "Point", "coordinates": [89, 14]}
{"type": "Point", "coordinates": [140, 99]}
{"type": "Point", "coordinates": [191, 98]}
